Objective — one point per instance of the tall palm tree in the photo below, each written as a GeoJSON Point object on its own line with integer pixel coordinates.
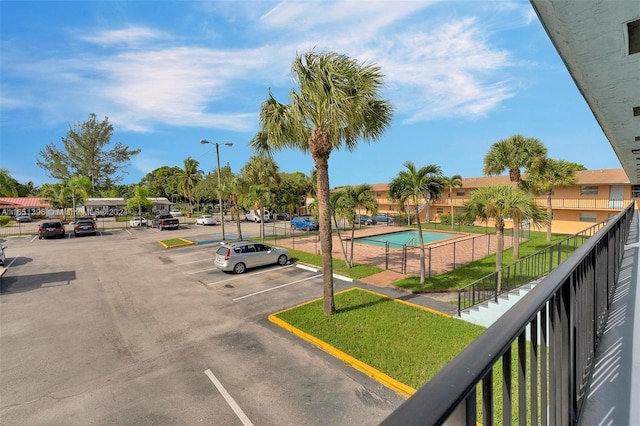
{"type": "Point", "coordinates": [412, 186]}
{"type": "Point", "coordinates": [353, 199]}
{"type": "Point", "coordinates": [8, 185]}
{"type": "Point", "coordinates": [548, 174]}
{"type": "Point", "coordinates": [188, 178]}
{"type": "Point", "coordinates": [58, 196]}
{"type": "Point", "coordinates": [513, 154]}
{"type": "Point", "coordinates": [337, 104]}
{"type": "Point", "coordinates": [261, 172]}
{"type": "Point", "coordinates": [500, 202]}
{"type": "Point", "coordinates": [80, 187]}
{"type": "Point", "coordinates": [451, 182]}
{"type": "Point", "coordinates": [233, 187]}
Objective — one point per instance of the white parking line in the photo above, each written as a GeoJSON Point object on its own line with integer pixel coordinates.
{"type": "Point", "coordinates": [232, 403]}
{"type": "Point", "coordinates": [276, 287]}
{"type": "Point", "coordinates": [237, 277]}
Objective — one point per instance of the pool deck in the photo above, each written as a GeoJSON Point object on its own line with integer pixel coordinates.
{"type": "Point", "coordinates": [442, 259]}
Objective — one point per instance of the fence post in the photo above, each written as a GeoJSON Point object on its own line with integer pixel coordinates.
{"type": "Point", "coordinates": [550, 259]}
{"type": "Point", "coordinates": [386, 255]}
{"type": "Point", "coordinates": [454, 256]}
{"type": "Point", "coordinates": [430, 260]}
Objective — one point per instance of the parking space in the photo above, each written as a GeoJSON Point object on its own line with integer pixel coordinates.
{"type": "Point", "coordinates": [116, 329]}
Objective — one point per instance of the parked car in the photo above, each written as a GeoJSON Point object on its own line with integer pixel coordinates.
{"type": "Point", "coordinates": [3, 258]}
{"type": "Point", "coordinates": [304, 222]}
{"type": "Point", "coordinates": [84, 227]}
{"type": "Point", "coordinates": [137, 221]}
{"type": "Point", "coordinates": [164, 221]}
{"type": "Point", "coordinates": [254, 216]}
{"type": "Point", "coordinates": [176, 213]}
{"type": "Point", "coordinates": [206, 219]}
{"type": "Point", "coordinates": [239, 256]}
{"type": "Point", "coordinates": [51, 228]}
{"type": "Point", "coordinates": [23, 218]}
{"type": "Point", "coordinates": [282, 216]}
{"type": "Point", "coordinates": [364, 219]}
{"type": "Point", "coordinates": [384, 218]}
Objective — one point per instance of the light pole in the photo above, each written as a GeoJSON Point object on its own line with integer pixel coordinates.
{"type": "Point", "coordinates": [204, 142]}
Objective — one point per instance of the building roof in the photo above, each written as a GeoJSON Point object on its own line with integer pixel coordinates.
{"type": "Point", "coordinates": [21, 202]}
{"type": "Point", "coordinates": [585, 177]}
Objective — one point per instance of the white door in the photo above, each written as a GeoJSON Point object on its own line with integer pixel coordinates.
{"type": "Point", "coordinates": [616, 195]}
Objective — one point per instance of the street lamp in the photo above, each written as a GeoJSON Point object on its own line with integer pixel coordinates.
{"type": "Point", "coordinates": [204, 142]}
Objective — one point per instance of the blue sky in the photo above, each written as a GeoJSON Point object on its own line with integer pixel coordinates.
{"type": "Point", "coordinates": [460, 74]}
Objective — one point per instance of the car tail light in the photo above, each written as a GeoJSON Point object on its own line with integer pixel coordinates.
{"type": "Point", "coordinates": [77, 227]}
{"type": "Point", "coordinates": [227, 254]}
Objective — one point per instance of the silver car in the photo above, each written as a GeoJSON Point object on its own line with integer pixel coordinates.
{"type": "Point", "coordinates": [238, 257]}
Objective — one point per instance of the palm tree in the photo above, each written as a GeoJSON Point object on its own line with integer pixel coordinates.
{"type": "Point", "coordinates": [548, 174]}
{"type": "Point", "coordinates": [353, 199]}
{"type": "Point", "coordinates": [8, 185]}
{"type": "Point", "coordinates": [58, 196]}
{"type": "Point", "coordinates": [262, 174]}
{"type": "Point", "coordinates": [512, 154]}
{"type": "Point", "coordinates": [337, 208]}
{"type": "Point", "coordinates": [500, 202]}
{"type": "Point", "coordinates": [412, 186]}
{"type": "Point", "coordinates": [80, 187]}
{"type": "Point", "coordinates": [338, 103]}
{"type": "Point", "coordinates": [451, 182]}
{"type": "Point", "coordinates": [234, 186]}
{"type": "Point", "coordinates": [188, 178]}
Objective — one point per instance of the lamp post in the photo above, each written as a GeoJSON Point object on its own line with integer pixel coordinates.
{"type": "Point", "coordinates": [204, 142]}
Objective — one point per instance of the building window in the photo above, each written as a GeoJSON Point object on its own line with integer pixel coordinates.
{"type": "Point", "coordinates": [460, 193]}
{"type": "Point", "coordinates": [391, 208]}
{"type": "Point", "coordinates": [588, 217]}
{"type": "Point", "coordinates": [588, 190]}
{"type": "Point", "coordinates": [439, 210]}
{"type": "Point", "coordinates": [378, 194]}
{"type": "Point", "coordinates": [635, 191]}
{"type": "Point", "coordinates": [633, 31]}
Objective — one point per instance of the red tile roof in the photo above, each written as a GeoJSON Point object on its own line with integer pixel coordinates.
{"type": "Point", "coordinates": [21, 202]}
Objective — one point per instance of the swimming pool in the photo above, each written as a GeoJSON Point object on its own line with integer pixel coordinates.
{"type": "Point", "coordinates": [398, 239]}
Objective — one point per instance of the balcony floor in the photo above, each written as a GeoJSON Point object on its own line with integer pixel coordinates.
{"type": "Point", "coordinates": [613, 396]}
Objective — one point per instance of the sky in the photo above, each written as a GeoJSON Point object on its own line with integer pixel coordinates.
{"type": "Point", "coordinates": [461, 75]}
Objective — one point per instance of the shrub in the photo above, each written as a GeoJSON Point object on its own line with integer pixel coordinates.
{"type": "Point", "coordinates": [4, 220]}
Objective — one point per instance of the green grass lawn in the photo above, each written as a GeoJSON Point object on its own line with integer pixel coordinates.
{"type": "Point", "coordinates": [406, 342]}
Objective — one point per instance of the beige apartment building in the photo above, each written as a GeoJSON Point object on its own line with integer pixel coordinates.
{"type": "Point", "coordinates": [597, 195]}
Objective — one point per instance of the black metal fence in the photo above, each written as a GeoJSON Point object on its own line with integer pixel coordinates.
{"type": "Point", "coordinates": [523, 271]}
{"type": "Point", "coordinates": [501, 377]}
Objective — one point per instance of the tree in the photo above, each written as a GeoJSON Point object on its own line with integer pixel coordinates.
{"type": "Point", "coordinates": [500, 202]}
{"type": "Point", "coordinates": [413, 185]}
{"type": "Point", "coordinates": [58, 196]}
{"type": "Point", "coordinates": [262, 174]}
{"type": "Point", "coordinates": [162, 181]}
{"type": "Point", "coordinates": [337, 103]}
{"type": "Point", "coordinates": [188, 178]}
{"type": "Point", "coordinates": [140, 200]}
{"type": "Point", "coordinates": [79, 187]}
{"type": "Point", "coordinates": [8, 185]}
{"type": "Point", "coordinates": [513, 154]}
{"type": "Point", "coordinates": [337, 208]}
{"type": "Point", "coordinates": [547, 174]}
{"type": "Point", "coordinates": [84, 154]}
{"type": "Point", "coordinates": [354, 198]}
{"type": "Point", "coordinates": [451, 182]}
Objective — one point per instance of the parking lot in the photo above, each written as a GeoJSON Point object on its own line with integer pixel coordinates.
{"type": "Point", "coordinates": [116, 329]}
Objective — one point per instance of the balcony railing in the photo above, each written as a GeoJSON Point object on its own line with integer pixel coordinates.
{"type": "Point", "coordinates": [556, 203]}
{"type": "Point", "coordinates": [562, 318]}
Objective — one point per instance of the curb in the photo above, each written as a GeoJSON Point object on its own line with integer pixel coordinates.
{"type": "Point", "coordinates": [314, 269]}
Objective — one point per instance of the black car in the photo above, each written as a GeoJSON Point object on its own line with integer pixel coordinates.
{"type": "Point", "coordinates": [51, 228]}
{"type": "Point", "coordinates": [364, 219]}
{"type": "Point", "coordinates": [384, 218]}
{"type": "Point", "coordinates": [84, 227]}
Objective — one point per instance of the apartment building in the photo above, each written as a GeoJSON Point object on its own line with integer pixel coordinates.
{"type": "Point", "coordinates": [597, 195]}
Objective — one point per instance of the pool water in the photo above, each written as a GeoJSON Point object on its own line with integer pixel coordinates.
{"type": "Point", "coordinates": [398, 239]}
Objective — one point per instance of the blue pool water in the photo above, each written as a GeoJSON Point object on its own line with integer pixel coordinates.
{"type": "Point", "coordinates": [398, 239]}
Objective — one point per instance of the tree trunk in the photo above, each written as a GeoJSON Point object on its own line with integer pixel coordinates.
{"type": "Point", "coordinates": [550, 214]}
{"type": "Point", "coordinates": [326, 245]}
{"type": "Point", "coordinates": [516, 237]}
{"type": "Point", "coordinates": [344, 251]}
{"type": "Point", "coordinates": [261, 207]}
{"type": "Point", "coordinates": [422, 256]}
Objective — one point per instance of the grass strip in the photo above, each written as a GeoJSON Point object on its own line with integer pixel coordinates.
{"type": "Point", "coordinates": [175, 242]}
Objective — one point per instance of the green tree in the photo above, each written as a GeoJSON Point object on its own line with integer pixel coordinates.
{"type": "Point", "coordinates": [546, 175]}
{"type": "Point", "coordinates": [353, 199]}
{"type": "Point", "coordinates": [162, 182]}
{"type": "Point", "coordinates": [188, 178]}
{"type": "Point", "coordinates": [58, 196]}
{"type": "Point", "coordinates": [450, 183]}
{"type": "Point", "coordinates": [84, 153]}
{"type": "Point", "coordinates": [80, 188]}
{"type": "Point", "coordinates": [8, 185]}
{"type": "Point", "coordinates": [261, 172]}
{"type": "Point", "coordinates": [140, 200]}
{"type": "Point", "coordinates": [412, 186]}
{"type": "Point", "coordinates": [501, 202]}
{"type": "Point", "coordinates": [337, 103]}
{"type": "Point", "coordinates": [513, 154]}
{"type": "Point", "coordinates": [336, 200]}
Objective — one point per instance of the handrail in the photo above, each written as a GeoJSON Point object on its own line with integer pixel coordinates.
{"type": "Point", "coordinates": [523, 271]}
{"type": "Point", "coordinates": [564, 316]}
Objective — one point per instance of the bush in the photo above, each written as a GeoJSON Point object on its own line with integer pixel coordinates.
{"type": "Point", "coordinates": [4, 220]}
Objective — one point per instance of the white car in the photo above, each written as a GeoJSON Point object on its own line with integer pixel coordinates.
{"type": "Point", "coordinates": [138, 221]}
{"type": "Point", "coordinates": [206, 219]}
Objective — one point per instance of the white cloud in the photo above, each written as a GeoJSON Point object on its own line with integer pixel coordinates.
{"type": "Point", "coordinates": [129, 35]}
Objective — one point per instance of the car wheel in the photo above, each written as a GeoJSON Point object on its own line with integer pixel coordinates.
{"type": "Point", "coordinates": [239, 268]}
{"type": "Point", "coordinates": [282, 260]}
{"type": "Point", "coordinates": [39, 237]}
